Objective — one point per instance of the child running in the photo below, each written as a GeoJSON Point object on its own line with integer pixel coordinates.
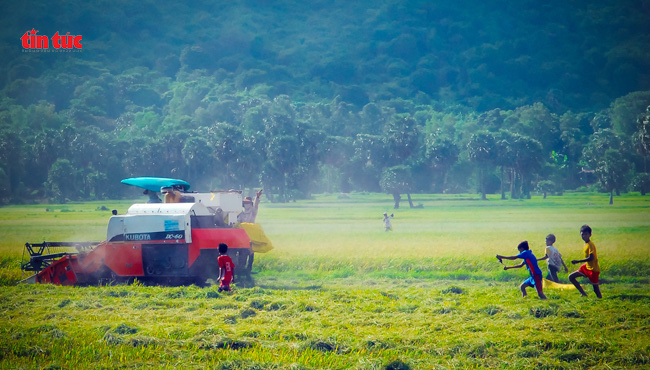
{"type": "Point", "coordinates": [590, 269]}
{"type": "Point", "coordinates": [226, 268]}
{"type": "Point", "coordinates": [554, 259]}
{"type": "Point", "coordinates": [535, 279]}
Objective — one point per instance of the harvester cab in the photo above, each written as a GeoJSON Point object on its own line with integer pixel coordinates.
{"type": "Point", "coordinates": [158, 243]}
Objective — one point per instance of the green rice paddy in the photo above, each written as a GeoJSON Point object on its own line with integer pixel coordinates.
{"type": "Point", "coordinates": [338, 292]}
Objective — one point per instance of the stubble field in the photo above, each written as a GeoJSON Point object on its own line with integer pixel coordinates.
{"type": "Point", "coordinates": [339, 292]}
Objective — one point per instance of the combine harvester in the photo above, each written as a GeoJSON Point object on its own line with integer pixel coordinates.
{"type": "Point", "coordinates": [155, 243]}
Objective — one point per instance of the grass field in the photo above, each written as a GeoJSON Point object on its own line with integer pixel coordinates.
{"type": "Point", "coordinates": [339, 292]}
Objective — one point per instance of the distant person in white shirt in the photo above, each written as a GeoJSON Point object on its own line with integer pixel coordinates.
{"type": "Point", "coordinates": [555, 260]}
{"type": "Point", "coordinates": [387, 224]}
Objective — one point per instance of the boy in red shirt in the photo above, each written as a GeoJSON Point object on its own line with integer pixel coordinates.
{"type": "Point", "coordinates": [226, 268]}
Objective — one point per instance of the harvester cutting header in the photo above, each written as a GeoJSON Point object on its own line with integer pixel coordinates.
{"type": "Point", "coordinates": [157, 243]}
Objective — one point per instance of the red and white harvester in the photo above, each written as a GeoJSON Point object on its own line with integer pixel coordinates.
{"type": "Point", "coordinates": [155, 243]}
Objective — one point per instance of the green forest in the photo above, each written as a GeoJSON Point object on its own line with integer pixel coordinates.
{"type": "Point", "coordinates": [500, 97]}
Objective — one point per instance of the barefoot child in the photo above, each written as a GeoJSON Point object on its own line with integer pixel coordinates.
{"type": "Point", "coordinates": [590, 269]}
{"type": "Point", "coordinates": [554, 258]}
{"type": "Point", "coordinates": [530, 261]}
{"type": "Point", "coordinates": [226, 268]}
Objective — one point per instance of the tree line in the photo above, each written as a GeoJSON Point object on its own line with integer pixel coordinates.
{"type": "Point", "coordinates": [294, 150]}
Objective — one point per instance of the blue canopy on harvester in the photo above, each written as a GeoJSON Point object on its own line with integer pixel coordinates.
{"type": "Point", "coordinates": [155, 183]}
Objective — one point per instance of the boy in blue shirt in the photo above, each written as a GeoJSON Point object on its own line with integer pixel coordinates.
{"type": "Point", "coordinates": [530, 261]}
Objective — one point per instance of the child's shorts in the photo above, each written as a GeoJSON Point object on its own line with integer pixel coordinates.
{"type": "Point", "coordinates": [590, 274]}
{"type": "Point", "coordinates": [224, 287]}
{"type": "Point", "coordinates": [533, 282]}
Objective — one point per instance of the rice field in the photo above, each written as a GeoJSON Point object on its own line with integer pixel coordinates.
{"type": "Point", "coordinates": [338, 292]}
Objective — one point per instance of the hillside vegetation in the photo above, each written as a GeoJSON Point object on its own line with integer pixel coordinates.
{"type": "Point", "coordinates": [304, 97]}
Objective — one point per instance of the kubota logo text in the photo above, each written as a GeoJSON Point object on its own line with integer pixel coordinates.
{"type": "Point", "coordinates": [67, 42]}
{"type": "Point", "coordinates": [132, 237]}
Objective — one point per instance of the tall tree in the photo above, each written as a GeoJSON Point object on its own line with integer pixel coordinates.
{"type": "Point", "coordinates": [173, 143]}
{"type": "Point", "coordinates": [538, 122]}
{"type": "Point", "coordinates": [283, 157]}
{"type": "Point", "coordinates": [397, 180]}
{"type": "Point", "coordinates": [197, 154]}
{"type": "Point", "coordinates": [604, 154]}
{"type": "Point", "coordinates": [441, 153]}
{"type": "Point", "coordinates": [401, 139]}
{"type": "Point", "coordinates": [528, 158]}
{"type": "Point", "coordinates": [613, 172]}
{"type": "Point", "coordinates": [228, 146]}
{"type": "Point", "coordinates": [642, 137]}
{"type": "Point", "coordinates": [505, 159]}
{"type": "Point", "coordinates": [575, 134]}
{"type": "Point", "coordinates": [336, 154]}
{"type": "Point", "coordinates": [401, 136]}
{"type": "Point", "coordinates": [62, 181]}
{"type": "Point", "coordinates": [369, 158]}
{"type": "Point", "coordinates": [249, 161]}
{"type": "Point", "coordinates": [624, 111]}
{"type": "Point", "coordinates": [11, 158]}
{"type": "Point", "coordinates": [481, 151]}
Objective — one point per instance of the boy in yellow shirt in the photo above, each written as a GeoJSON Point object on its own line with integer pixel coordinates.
{"type": "Point", "coordinates": [590, 269]}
